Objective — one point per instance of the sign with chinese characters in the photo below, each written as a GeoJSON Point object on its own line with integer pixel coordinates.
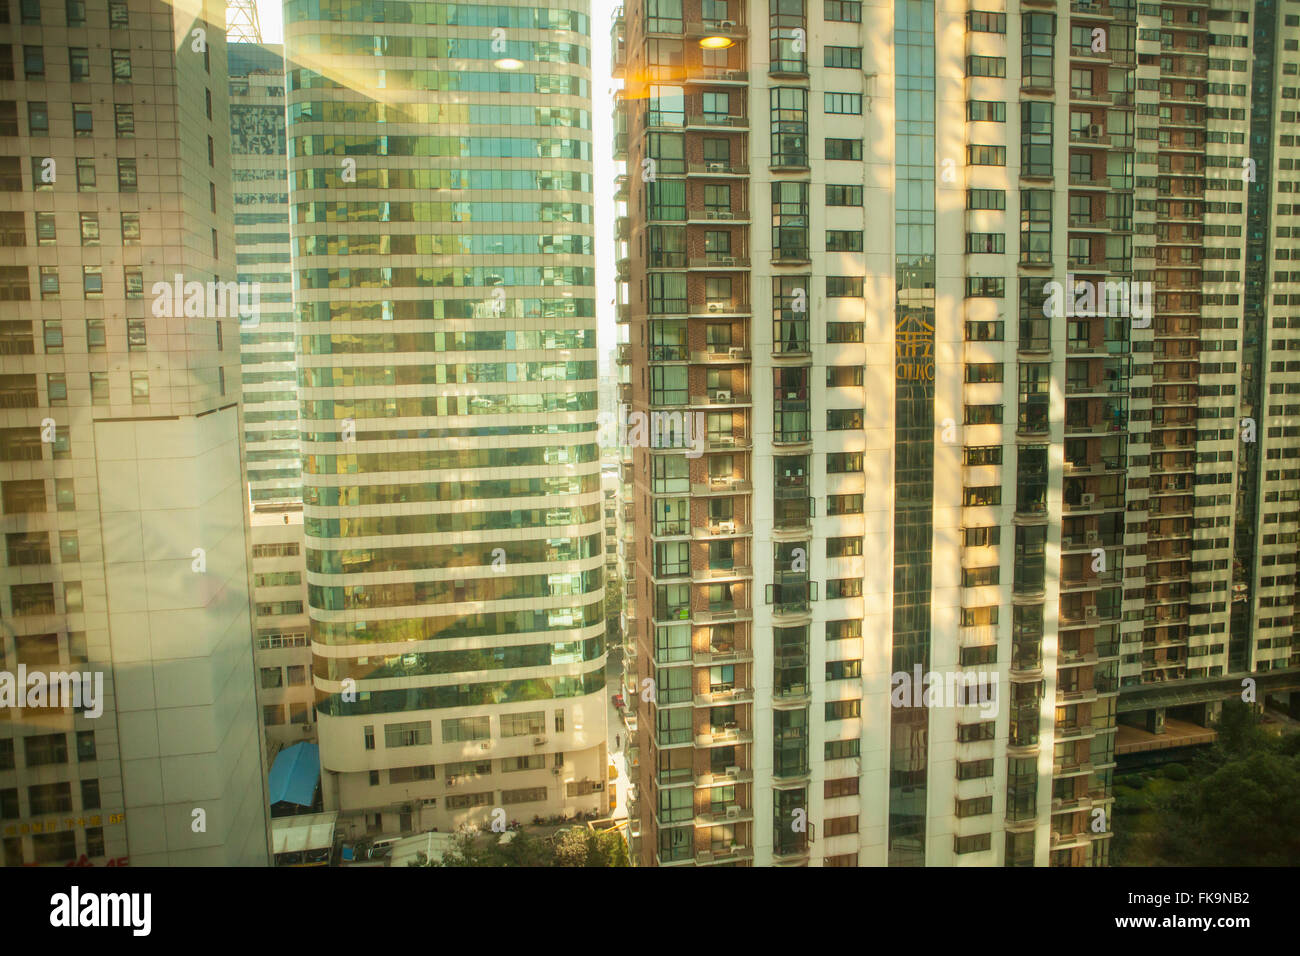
{"type": "Point", "coordinates": [68, 823]}
{"type": "Point", "coordinates": [914, 349]}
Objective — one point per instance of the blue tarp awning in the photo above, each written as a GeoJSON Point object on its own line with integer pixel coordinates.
{"type": "Point", "coordinates": [294, 775]}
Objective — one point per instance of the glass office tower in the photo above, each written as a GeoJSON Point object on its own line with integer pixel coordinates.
{"type": "Point", "coordinates": [441, 221]}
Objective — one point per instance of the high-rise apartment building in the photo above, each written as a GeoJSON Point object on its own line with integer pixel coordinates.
{"type": "Point", "coordinates": [441, 215]}
{"type": "Point", "coordinates": [936, 281]}
{"type": "Point", "coordinates": [120, 448]}
{"type": "Point", "coordinates": [260, 172]}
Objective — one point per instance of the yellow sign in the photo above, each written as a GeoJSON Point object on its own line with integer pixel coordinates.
{"type": "Point", "coordinates": [914, 349]}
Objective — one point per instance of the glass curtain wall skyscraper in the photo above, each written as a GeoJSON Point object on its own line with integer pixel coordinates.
{"type": "Point", "coordinates": [441, 220]}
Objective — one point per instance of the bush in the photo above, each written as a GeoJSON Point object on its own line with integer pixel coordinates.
{"type": "Point", "coordinates": [1176, 772]}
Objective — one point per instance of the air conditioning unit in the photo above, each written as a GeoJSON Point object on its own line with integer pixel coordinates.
{"type": "Point", "coordinates": [715, 167]}
{"type": "Point", "coordinates": [1091, 613]}
{"type": "Point", "coordinates": [722, 395]}
{"type": "Point", "coordinates": [306, 728]}
{"type": "Point", "coordinates": [735, 352]}
{"type": "Point", "coordinates": [1087, 500]}
{"type": "Point", "coordinates": [715, 306]}
{"type": "Point", "coordinates": [733, 771]}
{"type": "Point", "coordinates": [733, 812]}
{"type": "Point", "coordinates": [726, 527]}
{"type": "Point", "coordinates": [1094, 131]}
{"type": "Point", "coordinates": [727, 25]}
{"type": "Point", "coordinates": [730, 725]}
{"type": "Point", "coordinates": [1092, 537]}
{"type": "Point", "coordinates": [538, 741]}
{"type": "Point", "coordinates": [557, 770]}
{"type": "Point", "coordinates": [486, 746]}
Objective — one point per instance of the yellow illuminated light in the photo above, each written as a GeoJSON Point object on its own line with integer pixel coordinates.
{"type": "Point", "coordinates": [717, 43]}
{"type": "Point", "coordinates": [508, 64]}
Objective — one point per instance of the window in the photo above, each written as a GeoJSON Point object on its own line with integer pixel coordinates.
{"type": "Point", "coordinates": [86, 746]}
{"type": "Point", "coordinates": [790, 220]}
{"type": "Point", "coordinates": [985, 242]}
{"type": "Point", "coordinates": [34, 62]}
{"type": "Point", "coordinates": [843, 287]}
{"type": "Point", "coordinates": [465, 729]}
{"type": "Point", "coordinates": [986, 199]}
{"type": "Point", "coordinates": [46, 233]}
{"type": "Point", "coordinates": [986, 111]}
{"type": "Point", "coordinates": [76, 10]}
{"type": "Point", "coordinates": [843, 240]}
{"type": "Point", "coordinates": [85, 175]}
{"type": "Point", "coordinates": [89, 228]}
{"type": "Point", "coordinates": [986, 66]}
{"type": "Point", "coordinates": [56, 386]}
{"type": "Point", "coordinates": [977, 21]}
{"type": "Point", "coordinates": [844, 547]}
{"type": "Point", "coordinates": [974, 769]}
{"type": "Point", "coordinates": [133, 281]}
{"type": "Point", "coordinates": [416, 733]}
{"type": "Point", "coordinates": [38, 119]}
{"type": "Point", "coordinates": [126, 175]}
{"type": "Point", "coordinates": [79, 64]}
{"type": "Point", "coordinates": [1036, 226]}
{"type": "Point", "coordinates": [1036, 137]}
{"type": "Point", "coordinates": [140, 396]}
{"type": "Point", "coordinates": [986, 155]}
{"type": "Point", "coordinates": [843, 195]}
{"type": "Point", "coordinates": [971, 844]}
{"type": "Point", "coordinates": [117, 13]}
{"type": "Point", "coordinates": [843, 11]}
{"type": "Point", "coordinates": [789, 122]}
{"type": "Point", "coordinates": [844, 376]}
{"type": "Point", "coordinates": [124, 120]}
{"type": "Point", "coordinates": [92, 280]}
{"type": "Point", "coordinates": [844, 57]}
{"type": "Point", "coordinates": [840, 332]}
{"type": "Point", "coordinates": [843, 462]}
{"type": "Point", "coordinates": [844, 149]}
{"type": "Point", "coordinates": [1037, 37]}
{"type": "Point", "coordinates": [49, 282]}
{"type": "Point", "coordinates": [45, 749]}
{"type": "Point", "coordinates": [122, 67]}
{"type": "Point", "coordinates": [846, 104]}
{"type": "Point", "coordinates": [272, 677]}
{"type": "Point", "coordinates": [844, 504]}
{"type": "Point", "coordinates": [136, 340]}
{"type": "Point", "coordinates": [985, 287]}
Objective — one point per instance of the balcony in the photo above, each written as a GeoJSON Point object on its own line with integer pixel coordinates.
{"type": "Point", "coordinates": [717, 169]}
{"type": "Point", "coordinates": [708, 27]}
{"type": "Point", "coordinates": [711, 121]}
{"type": "Point", "coordinates": [722, 354]}
{"type": "Point", "coordinates": [723, 737]}
{"type": "Point", "coordinates": [729, 654]}
{"type": "Point", "coordinates": [715, 74]}
{"type": "Point", "coordinates": [730, 854]}
{"type": "Point", "coordinates": [719, 698]}
{"type": "Point", "coordinates": [725, 778]}
{"type": "Point", "coordinates": [720, 307]}
{"type": "Point", "coordinates": [721, 529]}
{"type": "Point", "coordinates": [706, 216]}
{"type": "Point", "coordinates": [729, 485]}
{"type": "Point", "coordinates": [734, 813]}
{"type": "Point", "coordinates": [718, 262]}
{"type": "Point", "coordinates": [721, 398]}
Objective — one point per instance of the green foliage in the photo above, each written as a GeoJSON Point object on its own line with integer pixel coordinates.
{"type": "Point", "coordinates": [575, 847]}
{"type": "Point", "coordinates": [1235, 807]}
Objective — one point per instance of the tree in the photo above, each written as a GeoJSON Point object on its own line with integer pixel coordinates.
{"type": "Point", "coordinates": [1239, 807]}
